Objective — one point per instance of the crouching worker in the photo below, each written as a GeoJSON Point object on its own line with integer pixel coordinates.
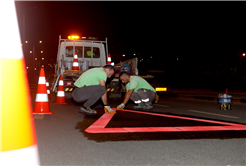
{"type": "Point", "coordinates": [138, 90]}
{"type": "Point", "coordinates": [91, 86]}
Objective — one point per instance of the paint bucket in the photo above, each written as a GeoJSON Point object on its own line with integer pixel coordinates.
{"type": "Point", "coordinates": [224, 101]}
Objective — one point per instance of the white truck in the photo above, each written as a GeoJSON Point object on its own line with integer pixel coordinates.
{"type": "Point", "coordinates": [91, 53]}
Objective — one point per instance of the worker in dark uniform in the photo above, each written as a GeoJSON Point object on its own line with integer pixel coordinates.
{"type": "Point", "coordinates": [90, 86]}
{"type": "Point", "coordinates": [138, 90]}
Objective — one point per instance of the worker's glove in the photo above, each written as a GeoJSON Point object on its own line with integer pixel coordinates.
{"type": "Point", "coordinates": [120, 107]}
{"type": "Point", "coordinates": [108, 109]}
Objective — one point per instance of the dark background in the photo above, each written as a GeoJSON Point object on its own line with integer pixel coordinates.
{"type": "Point", "coordinates": [195, 44]}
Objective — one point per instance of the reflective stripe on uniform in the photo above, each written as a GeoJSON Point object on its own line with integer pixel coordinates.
{"type": "Point", "coordinates": [145, 100]}
{"type": "Point", "coordinates": [138, 101]}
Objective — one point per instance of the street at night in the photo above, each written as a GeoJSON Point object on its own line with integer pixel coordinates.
{"type": "Point", "coordinates": [122, 83]}
{"type": "Point", "coordinates": [62, 138]}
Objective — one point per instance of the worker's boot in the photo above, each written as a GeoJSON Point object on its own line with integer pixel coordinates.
{"type": "Point", "coordinates": [138, 107]}
{"type": "Point", "coordinates": [147, 106]}
{"type": "Point", "coordinates": [91, 110]}
{"type": "Point", "coordinates": [87, 111]}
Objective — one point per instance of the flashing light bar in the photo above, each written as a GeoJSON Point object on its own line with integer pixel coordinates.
{"type": "Point", "coordinates": [77, 37]}
{"type": "Point", "coordinates": [73, 37]}
{"type": "Point", "coordinates": [161, 89]}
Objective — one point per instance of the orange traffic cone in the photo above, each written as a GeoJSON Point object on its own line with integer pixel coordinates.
{"type": "Point", "coordinates": [18, 136]}
{"type": "Point", "coordinates": [75, 62]}
{"type": "Point", "coordinates": [48, 88]}
{"type": "Point", "coordinates": [109, 59]}
{"type": "Point", "coordinates": [42, 103]}
{"type": "Point", "coordinates": [60, 98]}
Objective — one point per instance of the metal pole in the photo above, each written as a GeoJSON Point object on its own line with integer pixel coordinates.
{"type": "Point", "coordinates": [83, 54]}
{"type": "Point", "coordinates": [92, 53]}
{"type": "Point", "coordinates": [33, 59]}
{"type": "Point", "coordinates": [106, 50]}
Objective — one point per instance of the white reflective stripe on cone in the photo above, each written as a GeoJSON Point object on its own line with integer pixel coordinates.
{"type": "Point", "coordinates": [109, 58]}
{"type": "Point", "coordinates": [41, 97]}
{"type": "Point", "coordinates": [75, 64]}
{"type": "Point", "coordinates": [23, 156]}
{"type": "Point", "coordinates": [145, 100]}
{"type": "Point", "coordinates": [41, 80]}
{"type": "Point", "coordinates": [75, 56]}
{"type": "Point", "coordinates": [48, 91]}
{"type": "Point", "coordinates": [60, 82]}
{"type": "Point", "coordinates": [60, 94]}
{"type": "Point", "coordinates": [9, 32]}
{"type": "Point", "coordinates": [47, 83]}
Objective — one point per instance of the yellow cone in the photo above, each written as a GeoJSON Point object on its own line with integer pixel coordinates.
{"type": "Point", "coordinates": [18, 137]}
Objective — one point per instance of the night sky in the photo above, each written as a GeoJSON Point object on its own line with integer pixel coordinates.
{"type": "Point", "coordinates": [190, 31]}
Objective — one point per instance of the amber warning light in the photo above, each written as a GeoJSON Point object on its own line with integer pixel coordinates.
{"type": "Point", "coordinates": [161, 89]}
{"type": "Point", "coordinates": [73, 37]}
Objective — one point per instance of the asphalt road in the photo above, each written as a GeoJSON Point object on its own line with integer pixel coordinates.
{"type": "Point", "coordinates": [62, 139]}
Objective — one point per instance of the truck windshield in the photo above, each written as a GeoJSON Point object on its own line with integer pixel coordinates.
{"type": "Point", "coordinates": [79, 49]}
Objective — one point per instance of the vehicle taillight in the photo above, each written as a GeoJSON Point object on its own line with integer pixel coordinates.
{"type": "Point", "coordinates": [68, 83]}
{"type": "Point", "coordinates": [161, 89]}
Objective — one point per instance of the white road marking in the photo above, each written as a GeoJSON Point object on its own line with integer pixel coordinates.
{"type": "Point", "coordinates": [161, 105]}
{"type": "Point", "coordinates": [213, 114]}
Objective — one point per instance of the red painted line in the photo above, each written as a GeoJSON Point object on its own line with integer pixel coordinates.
{"type": "Point", "coordinates": [106, 130]}
{"type": "Point", "coordinates": [150, 129]}
{"type": "Point", "coordinates": [160, 129]}
{"type": "Point", "coordinates": [103, 120]}
{"type": "Point", "coordinates": [237, 127]}
{"type": "Point", "coordinates": [100, 124]}
{"type": "Point", "coordinates": [203, 128]}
